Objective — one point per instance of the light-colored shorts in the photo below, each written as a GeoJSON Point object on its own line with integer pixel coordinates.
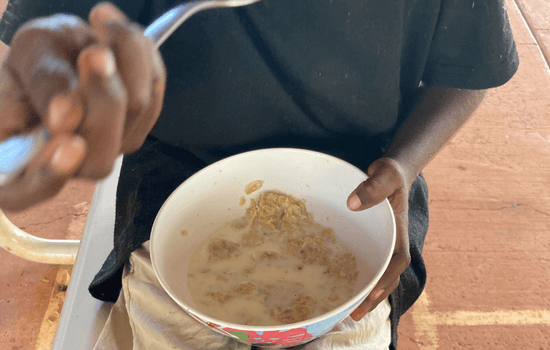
{"type": "Point", "coordinates": [146, 318]}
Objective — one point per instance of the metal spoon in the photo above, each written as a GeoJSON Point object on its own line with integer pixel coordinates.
{"type": "Point", "coordinates": [17, 151]}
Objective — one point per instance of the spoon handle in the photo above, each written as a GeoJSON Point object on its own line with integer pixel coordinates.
{"type": "Point", "coordinates": [165, 25]}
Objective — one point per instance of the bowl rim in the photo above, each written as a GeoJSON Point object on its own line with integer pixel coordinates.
{"type": "Point", "coordinates": [359, 297]}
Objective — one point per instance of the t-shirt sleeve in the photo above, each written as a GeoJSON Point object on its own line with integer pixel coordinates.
{"type": "Point", "coordinates": [472, 47]}
{"type": "Point", "coordinates": [20, 11]}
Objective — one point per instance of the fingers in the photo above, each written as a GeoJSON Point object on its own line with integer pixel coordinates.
{"type": "Point", "coordinates": [105, 110]}
{"type": "Point", "coordinates": [385, 178]}
{"type": "Point", "coordinates": [38, 85]}
{"type": "Point", "coordinates": [50, 70]}
{"type": "Point", "coordinates": [140, 68]}
{"type": "Point", "coordinates": [373, 300]}
{"type": "Point", "coordinates": [97, 87]}
{"type": "Point", "coordinates": [67, 156]}
{"type": "Point", "coordinates": [65, 112]}
{"type": "Point", "coordinates": [122, 82]}
{"type": "Point", "coordinates": [38, 67]}
{"type": "Point", "coordinates": [16, 112]}
{"type": "Point", "coordinates": [132, 50]}
{"type": "Point", "coordinates": [46, 175]}
{"type": "Point", "coordinates": [400, 260]}
{"type": "Point", "coordinates": [136, 133]}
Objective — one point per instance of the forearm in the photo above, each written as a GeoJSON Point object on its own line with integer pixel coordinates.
{"type": "Point", "coordinates": [442, 113]}
{"type": "Point", "coordinates": [422, 135]}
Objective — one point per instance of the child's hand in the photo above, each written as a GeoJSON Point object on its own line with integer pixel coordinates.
{"type": "Point", "coordinates": [386, 180]}
{"type": "Point", "coordinates": [97, 87]}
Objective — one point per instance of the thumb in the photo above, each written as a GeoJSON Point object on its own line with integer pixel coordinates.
{"type": "Point", "coordinates": [383, 181]}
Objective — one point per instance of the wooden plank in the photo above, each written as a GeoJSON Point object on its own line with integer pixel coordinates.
{"type": "Point", "coordinates": [537, 15]}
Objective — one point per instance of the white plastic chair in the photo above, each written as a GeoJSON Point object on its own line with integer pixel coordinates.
{"type": "Point", "coordinates": [82, 317]}
{"type": "Point", "coordinates": [27, 246]}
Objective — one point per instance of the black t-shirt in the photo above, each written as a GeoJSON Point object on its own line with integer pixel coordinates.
{"type": "Point", "coordinates": [337, 76]}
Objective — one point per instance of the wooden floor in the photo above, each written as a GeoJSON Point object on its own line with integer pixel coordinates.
{"type": "Point", "coordinates": [488, 249]}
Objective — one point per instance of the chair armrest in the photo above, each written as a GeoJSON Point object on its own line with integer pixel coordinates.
{"type": "Point", "coordinates": [83, 317]}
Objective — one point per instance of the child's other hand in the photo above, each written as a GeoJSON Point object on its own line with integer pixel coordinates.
{"type": "Point", "coordinates": [388, 180]}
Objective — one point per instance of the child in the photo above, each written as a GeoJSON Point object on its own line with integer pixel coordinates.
{"type": "Point", "coordinates": [381, 84]}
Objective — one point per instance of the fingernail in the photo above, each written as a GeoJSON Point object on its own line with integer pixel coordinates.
{"type": "Point", "coordinates": [378, 294]}
{"type": "Point", "coordinates": [101, 15]}
{"type": "Point", "coordinates": [103, 62]}
{"type": "Point", "coordinates": [68, 156]}
{"type": "Point", "coordinates": [359, 313]}
{"type": "Point", "coordinates": [107, 11]}
{"type": "Point", "coordinates": [57, 110]}
{"type": "Point", "coordinates": [64, 113]}
{"type": "Point", "coordinates": [354, 203]}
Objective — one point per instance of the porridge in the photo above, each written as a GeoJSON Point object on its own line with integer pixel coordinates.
{"type": "Point", "coordinates": [274, 266]}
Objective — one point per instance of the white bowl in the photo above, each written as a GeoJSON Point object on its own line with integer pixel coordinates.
{"type": "Point", "coordinates": [210, 198]}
